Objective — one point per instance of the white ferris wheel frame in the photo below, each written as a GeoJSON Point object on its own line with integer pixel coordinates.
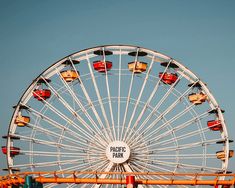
{"type": "Point", "coordinates": [87, 54]}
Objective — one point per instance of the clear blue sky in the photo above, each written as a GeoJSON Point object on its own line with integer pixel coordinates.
{"type": "Point", "coordinates": [35, 34]}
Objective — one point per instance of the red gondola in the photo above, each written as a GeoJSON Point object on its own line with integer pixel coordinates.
{"type": "Point", "coordinates": [214, 125]}
{"type": "Point", "coordinates": [226, 186]}
{"type": "Point", "coordinates": [13, 150]}
{"type": "Point", "coordinates": [168, 78]}
{"type": "Point", "coordinates": [100, 65]}
{"type": "Point", "coordinates": [223, 186]}
{"type": "Point", "coordinates": [41, 94]}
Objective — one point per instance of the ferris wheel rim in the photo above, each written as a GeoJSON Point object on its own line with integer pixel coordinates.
{"type": "Point", "coordinates": [57, 63]}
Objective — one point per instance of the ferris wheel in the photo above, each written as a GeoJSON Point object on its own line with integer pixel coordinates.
{"type": "Point", "coordinates": [117, 108]}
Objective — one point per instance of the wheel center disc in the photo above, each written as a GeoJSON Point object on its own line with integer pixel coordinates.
{"type": "Point", "coordinates": [118, 152]}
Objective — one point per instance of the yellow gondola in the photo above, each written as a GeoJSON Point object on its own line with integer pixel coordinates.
{"type": "Point", "coordinates": [69, 75]}
{"type": "Point", "coordinates": [137, 67]}
{"type": "Point", "coordinates": [21, 121]}
{"type": "Point", "coordinates": [221, 154]}
{"type": "Point", "coordinates": [197, 98]}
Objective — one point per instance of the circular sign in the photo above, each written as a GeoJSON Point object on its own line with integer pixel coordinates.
{"type": "Point", "coordinates": [118, 152]}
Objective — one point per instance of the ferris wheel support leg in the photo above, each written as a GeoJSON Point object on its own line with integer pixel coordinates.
{"type": "Point", "coordinates": [128, 169]}
{"type": "Point", "coordinates": [108, 169]}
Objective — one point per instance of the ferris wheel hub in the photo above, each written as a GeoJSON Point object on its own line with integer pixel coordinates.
{"type": "Point", "coordinates": [118, 152]}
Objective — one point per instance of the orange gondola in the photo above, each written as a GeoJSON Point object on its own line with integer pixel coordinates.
{"type": "Point", "coordinates": [21, 121]}
{"type": "Point", "coordinates": [137, 67]}
{"type": "Point", "coordinates": [221, 154]}
{"type": "Point", "coordinates": [197, 98]}
{"type": "Point", "coordinates": [69, 75]}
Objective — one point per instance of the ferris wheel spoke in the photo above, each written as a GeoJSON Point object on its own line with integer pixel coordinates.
{"type": "Point", "coordinates": [49, 143]}
{"type": "Point", "coordinates": [119, 91]}
{"type": "Point", "coordinates": [100, 101]}
{"type": "Point", "coordinates": [92, 165]}
{"type": "Point", "coordinates": [182, 137]}
{"type": "Point", "coordinates": [149, 99]}
{"type": "Point", "coordinates": [54, 134]}
{"type": "Point", "coordinates": [179, 165]}
{"type": "Point", "coordinates": [169, 141]}
{"type": "Point", "coordinates": [64, 117]}
{"type": "Point", "coordinates": [128, 98]}
{"type": "Point", "coordinates": [107, 169]}
{"type": "Point", "coordinates": [90, 175]}
{"type": "Point", "coordinates": [50, 185]}
{"type": "Point", "coordinates": [109, 97]}
{"type": "Point", "coordinates": [168, 121]}
{"type": "Point", "coordinates": [187, 146]}
{"type": "Point", "coordinates": [140, 95]}
{"type": "Point", "coordinates": [70, 168]}
{"type": "Point", "coordinates": [154, 110]}
{"type": "Point", "coordinates": [90, 101]}
{"type": "Point", "coordinates": [56, 124]}
{"type": "Point", "coordinates": [92, 106]}
{"type": "Point", "coordinates": [182, 156]}
{"type": "Point", "coordinates": [150, 167]}
{"type": "Point", "coordinates": [46, 164]}
{"type": "Point", "coordinates": [45, 131]}
{"type": "Point", "coordinates": [49, 154]}
{"type": "Point", "coordinates": [71, 185]}
{"type": "Point", "coordinates": [156, 162]}
{"type": "Point", "coordinates": [67, 106]}
{"type": "Point", "coordinates": [80, 105]}
{"type": "Point", "coordinates": [196, 119]}
{"type": "Point", "coordinates": [137, 145]}
{"type": "Point", "coordinates": [198, 123]}
{"type": "Point", "coordinates": [59, 154]}
{"type": "Point", "coordinates": [84, 166]}
{"type": "Point", "coordinates": [78, 140]}
{"type": "Point", "coordinates": [158, 149]}
{"type": "Point", "coordinates": [99, 166]}
{"type": "Point", "coordinates": [162, 114]}
{"type": "Point", "coordinates": [193, 113]}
